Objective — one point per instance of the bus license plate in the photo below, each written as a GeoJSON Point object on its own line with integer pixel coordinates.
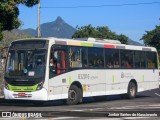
{"type": "Point", "coordinates": [22, 94]}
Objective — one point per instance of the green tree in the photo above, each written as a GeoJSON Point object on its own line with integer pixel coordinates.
{"type": "Point", "coordinates": [123, 38]}
{"type": "Point", "coordinates": [99, 32]}
{"type": "Point", "coordinates": [105, 32]}
{"type": "Point", "coordinates": [152, 38]}
{"type": "Point", "coordinates": [85, 31]}
{"type": "Point", "coordinates": [9, 36]}
{"type": "Point", "coordinates": [9, 13]}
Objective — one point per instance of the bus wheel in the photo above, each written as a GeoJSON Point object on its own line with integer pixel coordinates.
{"type": "Point", "coordinates": [74, 95]}
{"type": "Point", "coordinates": [132, 90]}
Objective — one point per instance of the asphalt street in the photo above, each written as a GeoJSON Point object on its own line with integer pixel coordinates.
{"type": "Point", "coordinates": [145, 106]}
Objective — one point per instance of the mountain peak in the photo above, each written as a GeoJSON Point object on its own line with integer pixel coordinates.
{"type": "Point", "coordinates": [57, 28]}
{"type": "Point", "coordinates": [59, 19]}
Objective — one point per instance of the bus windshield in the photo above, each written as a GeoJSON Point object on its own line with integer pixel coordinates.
{"type": "Point", "coordinates": [26, 63]}
{"type": "Point", "coordinates": [29, 63]}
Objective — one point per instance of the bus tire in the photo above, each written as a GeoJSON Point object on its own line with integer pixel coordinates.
{"type": "Point", "coordinates": [132, 90]}
{"type": "Point", "coordinates": [74, 95]}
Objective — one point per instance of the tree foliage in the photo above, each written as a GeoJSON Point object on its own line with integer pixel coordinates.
{"type": "Point", "coordinates": [9, 36]}
{"type": "Point", "coordinates": [9, 13]}
{"type": "Point", "coordinates": [99, 32]}
{"type": "Point", "coordinates": [152, 38]}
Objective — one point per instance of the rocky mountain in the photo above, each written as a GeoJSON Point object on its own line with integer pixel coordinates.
{"type": "Point", "coordinates": [31, 32]}
{"type": "Point", "coordinates": [58, 28]}
{"type": "Point", "coordinates": [132, 42]}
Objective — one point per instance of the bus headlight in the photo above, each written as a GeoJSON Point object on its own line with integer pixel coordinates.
{"type": "Point", "coordinates": [40, 86]}
{"type": "Point", "coordinates": [6, 85]}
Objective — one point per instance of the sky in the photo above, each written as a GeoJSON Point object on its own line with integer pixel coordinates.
{"type": "Point", "coordinates": [130, 20]}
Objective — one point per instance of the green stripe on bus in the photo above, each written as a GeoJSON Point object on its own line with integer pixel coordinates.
{"type": "Point", "coordinates": [23, 88]}
{"type": "Point", "coordinates": [70, 79]}
{"type": "Point", "coordinates": [87, 44]}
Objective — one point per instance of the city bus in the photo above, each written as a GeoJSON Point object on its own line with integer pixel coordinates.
{"type": "Point", "coordinates": [44, 69]}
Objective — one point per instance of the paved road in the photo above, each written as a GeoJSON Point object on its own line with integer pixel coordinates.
{"type": "Point", "coordinates": [145, 106]}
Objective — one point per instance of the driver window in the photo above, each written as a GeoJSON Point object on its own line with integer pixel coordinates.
{"type": "Point", "coordinates": [57, 63]}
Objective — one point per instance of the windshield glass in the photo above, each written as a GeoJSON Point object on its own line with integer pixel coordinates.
{"type": "Point", "coordinates": [29, 63]}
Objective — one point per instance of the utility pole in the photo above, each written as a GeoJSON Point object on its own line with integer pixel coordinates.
{"type": "Point", "coordinates": [39, 27]}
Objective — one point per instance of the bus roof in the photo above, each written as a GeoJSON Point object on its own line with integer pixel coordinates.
{"type": "Point", "coordinates": [90, 42]}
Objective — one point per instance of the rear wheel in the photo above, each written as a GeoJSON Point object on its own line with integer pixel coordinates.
{"type": "Point", "coordinates": [132, 90]}
{"type": "Point", "coordinates": [74, 95]}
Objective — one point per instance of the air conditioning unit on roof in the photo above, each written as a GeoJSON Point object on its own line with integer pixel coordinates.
{"type": "Point", "coordinates": [104, 40]}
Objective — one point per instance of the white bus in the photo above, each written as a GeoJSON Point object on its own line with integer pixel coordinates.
{"type": "Point", "coordinates": [43, 69]}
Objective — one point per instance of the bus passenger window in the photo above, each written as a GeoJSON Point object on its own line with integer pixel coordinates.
{"type": "Point", "coordinates": [126, 59]}
{"type": "Point", "coordinates": [127, 64]}
{"type": "Point", "coordinates": [139, 59]}
{"type": "Point", "coordinates": [151, 60]}
{"type": "Point", "coordinates": [109, 65]}
{"type": "Point", "coordinates": [96, 57]}
{"type": "Point", "coordinates": [116, 64]}
{"type": "Point", "coordinates": [77, 57]}
{"type": "Point", "coordinates": [112, 58]}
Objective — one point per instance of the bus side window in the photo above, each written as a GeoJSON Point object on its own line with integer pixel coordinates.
{"type": "Point", "coordinates": [77, 57]}
{"type": "Point", "coordinates": [112, 58]}
{"type": "Point", "coordinates": [96, 57]}
{"type": "Point", "coordinates": [57, 63]}
{"type": "Point", "coordinates": [52, 67]}
{"type": "Point", "coordinates": [139, 59]}
{"type": "Point", "coordinates": [126, 59]}
{"type": "Point", "coordinates": [151, 60]}
{"type": "Point", "coordinates": [61, 61]}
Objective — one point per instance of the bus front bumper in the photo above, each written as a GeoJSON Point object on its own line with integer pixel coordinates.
{"type": "Point", "coordinates": [36, 95]}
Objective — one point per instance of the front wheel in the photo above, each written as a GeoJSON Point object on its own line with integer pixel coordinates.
{"type": "Point", "coordinates": [74, 95]}
{"type": "Point", "coordinates": [132, 90]}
